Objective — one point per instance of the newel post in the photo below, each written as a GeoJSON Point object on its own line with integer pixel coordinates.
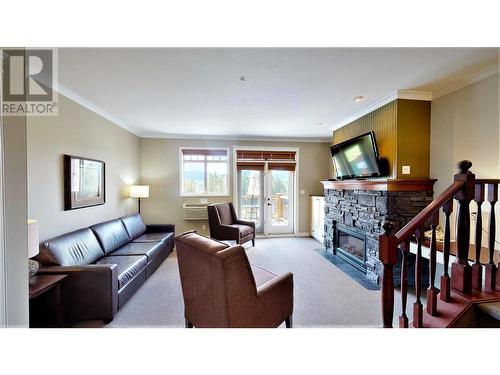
{"type": "Point", "coordinates": [388, 255]}
{"type": "Point", "coordinates": [461, 271]}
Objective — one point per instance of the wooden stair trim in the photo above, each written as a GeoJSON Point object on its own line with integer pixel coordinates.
{"type": "Point", "coordinates": [450, 312]}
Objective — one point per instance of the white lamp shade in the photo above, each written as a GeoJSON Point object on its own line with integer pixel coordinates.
{"type": "Point", "coordinates": [139, 191]}
{"type": "Point", "coordinates": [33, 238]}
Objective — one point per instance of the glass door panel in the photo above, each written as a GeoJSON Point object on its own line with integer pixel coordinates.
{"type": "Point", "coordinates": [251, 197]}
{"type": "Point", "coordinates": [280, 202]}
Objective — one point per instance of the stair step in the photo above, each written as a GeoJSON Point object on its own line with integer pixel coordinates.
{"type": "Point", "coordinates": [491, 308]}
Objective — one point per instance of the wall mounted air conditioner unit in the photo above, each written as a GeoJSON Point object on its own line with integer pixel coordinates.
{"type": "Point", "coordinates": [195, 211]}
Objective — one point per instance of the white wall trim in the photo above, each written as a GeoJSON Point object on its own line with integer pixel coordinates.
{"type": "Point", "coordinates": [234, 138]}
{"type": "Point", "coordinates": [414, 95]}
{"type": "Point", "coordinates": [70, 94]}
{"type": "Point", "coordinates": [299, 234]}
{"type": "Point", "coordinates": [3, 275]}
{"type": "Point", "coordinates": [398, 94]}
{"type": "Point", "coordinates": [466, 81]}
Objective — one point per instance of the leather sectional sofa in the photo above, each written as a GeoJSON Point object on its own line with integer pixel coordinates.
{"type": "Point", "coordinates": [106, 264]}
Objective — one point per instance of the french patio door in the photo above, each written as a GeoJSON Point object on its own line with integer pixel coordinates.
{"type": "Point", "coordinates": [279, 201]}
{"type": "Point", "coordinates": [251, 196]}
{"type": "Point", "coordinates": [266, 197]}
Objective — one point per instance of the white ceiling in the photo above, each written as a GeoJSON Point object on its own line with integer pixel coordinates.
{"type": "Point", "coordinates": [195, 92]}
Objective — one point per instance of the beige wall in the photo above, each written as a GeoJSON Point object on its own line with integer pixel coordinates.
{"type": "Point", "coordinates": [15, 225]}
{"type": "Point", "coordinates": [160, 170]}
{"type": "Point", "coordinates": [465, 125]}
{"type": "Point", "coordinates": [81, 132]}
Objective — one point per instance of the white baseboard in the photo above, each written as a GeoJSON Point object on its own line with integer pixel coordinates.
{"type": "Point", "coordinates": [299, 234]}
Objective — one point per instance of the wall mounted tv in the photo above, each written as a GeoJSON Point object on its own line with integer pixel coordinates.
{"type": "Point", "coordinates": [356, 158]}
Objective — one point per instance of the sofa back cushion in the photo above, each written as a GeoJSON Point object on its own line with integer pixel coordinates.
{"type": "Point", "coordinates": [111, 234]}
{"type": "Point", "coordinates": [225, 214]}
{"type": "Point", "coordinates": [71, 249]}
{"type": "Point", "coordinates": [134, 225]}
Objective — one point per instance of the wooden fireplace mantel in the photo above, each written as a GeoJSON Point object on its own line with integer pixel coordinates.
{"type": "Point", "coordinates": [420, 184]}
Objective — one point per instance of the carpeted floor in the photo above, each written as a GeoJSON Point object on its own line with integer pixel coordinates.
{"type": "Point", "coordinates": [324, 295]}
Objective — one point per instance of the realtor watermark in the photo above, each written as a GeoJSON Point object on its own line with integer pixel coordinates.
{"type": "Point", "coordinates": [29, 79]}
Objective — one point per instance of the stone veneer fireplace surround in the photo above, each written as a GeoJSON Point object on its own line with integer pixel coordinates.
{"type": "Point", "coordinates": [363, 206]}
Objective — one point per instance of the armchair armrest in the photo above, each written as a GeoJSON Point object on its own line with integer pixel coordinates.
{"type": "Point", "coordinates": [89, 291]}
{"type": "Point", "coordinates": [275, 300]}
{"type": "Point", "coordinates": [244, 222]}
{"type": "Point", "coordinates": [279, 284]}
{"type": "Point", "coordinates": [227, 230]}
{"type": "Point", "coordinates": [155, 228]}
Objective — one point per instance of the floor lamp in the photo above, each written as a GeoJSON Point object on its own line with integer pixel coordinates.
{"type": "Point", "coordinates": [139, 191]}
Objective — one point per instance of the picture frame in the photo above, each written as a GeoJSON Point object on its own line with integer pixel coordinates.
{"type": "Point", "coordinates": [84, 182]}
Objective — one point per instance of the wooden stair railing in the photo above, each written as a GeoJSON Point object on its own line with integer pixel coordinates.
{"type": "Point", "coordinates": [464, 278]}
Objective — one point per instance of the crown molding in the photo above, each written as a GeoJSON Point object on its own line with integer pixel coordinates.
{"type": "Point", "coordinates": [414, 95]}
{"type": "Point", "coordinates": [398, 94]}
{"type": "Point", "coordinates": [235, 138]}
{"type": "Point", "coordinates": [468, 80]}
{"type": "Point", "coordinates": [70, 94]}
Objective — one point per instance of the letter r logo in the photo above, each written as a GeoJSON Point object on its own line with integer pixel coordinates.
{"type": "Point", "coordinates": [27, 75]}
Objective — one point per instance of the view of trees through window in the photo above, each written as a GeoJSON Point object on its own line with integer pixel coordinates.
{"type": "Point", "coordinates": [205, 173]}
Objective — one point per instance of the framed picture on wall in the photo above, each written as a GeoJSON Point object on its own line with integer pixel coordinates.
{"type": "Point", "coordinates": [84, 182]}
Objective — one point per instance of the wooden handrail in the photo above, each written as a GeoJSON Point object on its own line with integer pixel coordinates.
{"type": "Point", "coordinates": [409, 229]}
{"type": "Point", "coordinates": [483, 181]}
{"type": "Point", "coordinates": [463, 278]}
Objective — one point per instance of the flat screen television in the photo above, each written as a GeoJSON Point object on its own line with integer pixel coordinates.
{"type": "Point", "coordinates": [356, 158]}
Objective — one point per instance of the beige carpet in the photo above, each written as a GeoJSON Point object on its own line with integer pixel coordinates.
{"type": "Point", "coordinates": [324, 295]}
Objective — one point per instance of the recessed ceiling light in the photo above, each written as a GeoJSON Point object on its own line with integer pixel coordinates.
{"type": "Point", "coordinates": [243, 78]}
{"type": "Point", "coordinates": [360, 98]}
{"type": "Point", "coordinates": [320, 124]}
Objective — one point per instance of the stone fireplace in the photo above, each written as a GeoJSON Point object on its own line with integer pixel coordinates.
{"type": "Point", "coordinates": [356, 210]}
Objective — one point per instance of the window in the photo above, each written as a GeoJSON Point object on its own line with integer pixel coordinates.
{"type": "Point", "coordinates": [204, 172]}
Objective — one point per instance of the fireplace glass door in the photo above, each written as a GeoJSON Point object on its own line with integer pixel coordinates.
{"type": "Point", "coordinates": [351, 247]}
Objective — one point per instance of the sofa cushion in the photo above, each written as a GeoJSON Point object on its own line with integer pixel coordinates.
{"type": "Point", "coordinates": [245, 230]}
{"type": "Point", "coordinates": [150, 249]}
{"type": "Point", "coordinates": [71, 249]}
{"type": "Point", "coordinates": [134, 225]}
{"type": "Point", "coordinates": [111, 234]}
{"type": "Point", "coordinates": [225, 214]}
{"type": "Point", "coordinates": [128, 266]}
{"type": "Point", "coordinates": [154, 237]}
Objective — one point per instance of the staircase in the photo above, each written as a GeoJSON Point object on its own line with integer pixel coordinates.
{"type": "Point", "coordinates": [462, 299]}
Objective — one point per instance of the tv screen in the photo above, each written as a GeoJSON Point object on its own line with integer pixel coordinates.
{"type": "Point", "coordinates": [357, 157]}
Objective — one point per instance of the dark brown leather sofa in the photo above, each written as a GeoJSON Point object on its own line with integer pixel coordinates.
{"type": "Point", "coordinates": [222, 290]}
{"type": "Point", "coordinates": [106, 264]}
{"type": "Point", "coordinates": [224, 225]}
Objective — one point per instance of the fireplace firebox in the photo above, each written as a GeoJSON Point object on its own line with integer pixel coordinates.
{"type": "Point", "coordinates": [350, 245]}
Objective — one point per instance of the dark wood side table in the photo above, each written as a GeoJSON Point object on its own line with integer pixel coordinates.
{"type": "Point", "coordinates": [46, 309]}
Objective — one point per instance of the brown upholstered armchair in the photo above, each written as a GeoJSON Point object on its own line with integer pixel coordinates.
{"type": "Point", "coordinates": [222, 290]}
{"type": "Point", "coordinates": [224, 225]}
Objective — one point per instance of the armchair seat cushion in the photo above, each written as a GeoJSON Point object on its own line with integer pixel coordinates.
{"type": "Point", "coordinates": [128, 266]}
{"type": "Point", "coordinates": [150, 249]}
{"type": "Point", "coordinates": [261, 275]}
{"type": "Point", "coordinates": [245, 230]}
{"type": "Point", "coordinates": [154, 237]}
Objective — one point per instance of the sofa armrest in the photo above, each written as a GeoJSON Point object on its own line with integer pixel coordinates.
{"type": "Point", "coordinates": [244, 222]}
{"type": "Point", "coordinates": [89, 292]}
{"type": "Point", "coordinates": [156, 228]}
